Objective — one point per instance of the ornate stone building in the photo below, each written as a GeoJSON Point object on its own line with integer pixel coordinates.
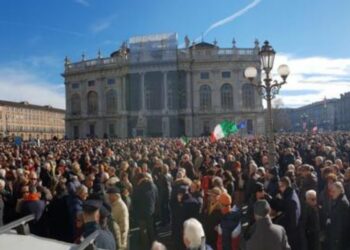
{"type": "Point", "coordinates": [30, 121]}
{"type": "Point", "coordinates": [151, 87]}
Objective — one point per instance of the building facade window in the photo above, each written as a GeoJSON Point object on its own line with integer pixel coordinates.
{"type": "Point", "coordinates": [226, 96]}
{"type": "Point", "coordinates": [91, 130]}
{"type": "Point", "coordinates": [111, 101]}
{"type": "Point", "coordinates": [76, 104]}
{"type": "Point", "coordinates": [176, 95]}
{"type": "Point", "coordinates": [204, 75]}
{"type": "Point", "coordinates": [248, 96]}
{"type": "Point", "coordinates": [92, 101]}
{"type": "Point", "coordinates": [91, 83]}
{"type": "Point", "coordinates": [205, 97]}
{"type": "Point", "coordinates": [111, 130]}
{"type": "Point", "coordinates": [226, 74]}
{"type": "Point", "coordinates": [75, 85]}
{"type": "Point", "coordinates": [111, 81]}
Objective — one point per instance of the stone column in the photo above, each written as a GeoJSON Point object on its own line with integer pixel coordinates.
{"type": "Point", "coordinates": [165, 127]}
{"type": "Point", "coordinates": [123, 127]}
{"type": "Point", "coordinates": [100, 89]}
{"type": "Point", "coordinates": [123, 94]}
{"type": "Point", "coordinates": [142, 89]}
{"type": "Point", "coordinates": [165, 91]}
{"type": "Point", "coordinates": [83, 95]}
{"type": "Point", "coordinates": [188, 125]}
{"type": "Point", "coordinates": [188, 90]}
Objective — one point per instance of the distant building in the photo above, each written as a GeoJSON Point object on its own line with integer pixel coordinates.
{"type": "Point", "coordinates": [30, 121]}
{"type": "Point", "coordinates": [343, 112]}
{"type": "Point", "coordinates": [150, 87]}
{"type": "Point", "coordinates": [321, 114]}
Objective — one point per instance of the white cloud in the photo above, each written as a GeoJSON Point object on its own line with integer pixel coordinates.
{"type": "Point", "coordinates": [20, 85]}
{"type": "Point", "coordinates": [102, 24]}
{"type": "Point", "coordinates": [323, 76]}
{"type": "Point", "coordinates": [83, 2]}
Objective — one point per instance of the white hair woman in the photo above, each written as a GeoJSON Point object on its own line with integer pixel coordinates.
{"type": "Point", "coordinates": [194, 237]}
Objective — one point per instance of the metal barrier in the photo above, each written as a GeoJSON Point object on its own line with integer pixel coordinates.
{"type": "Point", "coordinates": [20, 225]}
{"type": "Point", "coordinates": [88, 243]}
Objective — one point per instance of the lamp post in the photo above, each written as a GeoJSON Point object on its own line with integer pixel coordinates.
{"type": "Point", "coordinates": [268, 89]}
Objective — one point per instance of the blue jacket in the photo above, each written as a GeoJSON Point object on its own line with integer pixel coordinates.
{"type": "Point", "coordinates": [104, 240]}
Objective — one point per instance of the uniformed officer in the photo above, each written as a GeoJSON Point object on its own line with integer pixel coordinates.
{"type": "Point", "coordinates": [91, 215]}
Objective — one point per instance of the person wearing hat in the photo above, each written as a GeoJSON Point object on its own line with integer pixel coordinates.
{"type": "Point", "coordinates": [259, 194]}
{"type": "Point", "coordinates": [91, 218]}
{"type": "Point", "coordinates": [120, 215]}
{"type": "Point", "coordinates": [265, 234]}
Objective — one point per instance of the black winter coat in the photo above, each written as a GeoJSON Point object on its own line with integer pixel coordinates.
{"type": "Point", "coordinates": [310, 226]}
{"type": "Point", "coordinates": [144, 200]}
{"type": "Point", "coordinates": [339, 226]}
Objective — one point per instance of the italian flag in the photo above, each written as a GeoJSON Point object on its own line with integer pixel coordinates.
{"type": "Point", "coordinates": [184, 140]}
{"type": "Point", "coordinates": [222, 130]}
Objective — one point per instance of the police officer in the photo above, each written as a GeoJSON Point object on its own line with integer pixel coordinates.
{"type": "Point", "coordinates": [91, 216]}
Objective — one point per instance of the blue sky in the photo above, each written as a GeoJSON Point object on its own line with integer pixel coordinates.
{"type": "Point", "coordinates": [310, 35]}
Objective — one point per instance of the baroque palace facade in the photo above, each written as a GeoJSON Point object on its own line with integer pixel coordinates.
{"type": "Point", "coordinates": [150, 87]}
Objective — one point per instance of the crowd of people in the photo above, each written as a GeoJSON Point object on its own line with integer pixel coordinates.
{"type": "Point", "coordinates": [220, 195]}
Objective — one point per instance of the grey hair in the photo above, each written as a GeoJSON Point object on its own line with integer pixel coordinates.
{"type": "Point", "coordinates": [2, 183]}
{"type": "Point", "coordinates": [339, 186]}
{"type": "Point", "coordinates": [158, 246]}
{"type": "Point", "coordinates": [193, 232]}
{"type": "Point", "coordinates": [310, 192]}
{"type": "Point", "coordinates": [2, 173]}
{"type": "Point", "coordinates": [82, 189]}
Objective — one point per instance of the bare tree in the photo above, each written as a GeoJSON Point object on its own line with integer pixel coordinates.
{"type": "Point", "coordinates": [280, 116]}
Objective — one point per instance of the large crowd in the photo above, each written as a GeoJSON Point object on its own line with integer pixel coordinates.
{"type": "Point", "coordinates": [220, 195]}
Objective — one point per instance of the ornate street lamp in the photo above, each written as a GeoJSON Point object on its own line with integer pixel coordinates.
{"type": "Point", "coordinates": [268, 89]}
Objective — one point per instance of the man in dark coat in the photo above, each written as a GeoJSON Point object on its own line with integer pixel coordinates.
{"type": "Point", "coordinates": [339, 219]}
{"type": "Point", "coordinates": [165, 181]}
{"type": "Point", "coordinates": [286, 159]}
{"type": "Point", "coordinates": [58, 215]}
{"type": "Point", "coordinates": [188, 166]}
{"type": "Point", "coordinates": [310, 223]}
{"type": "Point", "coordinates": [33, 205]}
{"type": "Point", "coordinates": [265, 234]}
{"type": "Point", "coordinates": [186, 207]}
{"type": "Point", "coordinates": [290, 205]}
{"type": "Point", "coordinates": [144, 201]}
{"type": "Point", "coordinates": [75, 204]}
{"type": "Point", "coordinates": [307, 181]}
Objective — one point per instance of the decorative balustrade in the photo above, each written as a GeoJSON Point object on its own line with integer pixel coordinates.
{"type": "Point", "coordinates": [164, 55]}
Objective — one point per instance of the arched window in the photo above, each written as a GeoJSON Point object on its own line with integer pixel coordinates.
{"type": "Point", "coordinates": [111, 101]}
{"type": "Point", "coordinates": [75, 104]}
{"type": "Point", "coordinates": [92, 101]}
{"type": "Point", "coordinates": [248, 97]}
{"type": "Point", "coordinates": [205, 97]}
{"type": "Point", "coordinates": [226, 96]}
